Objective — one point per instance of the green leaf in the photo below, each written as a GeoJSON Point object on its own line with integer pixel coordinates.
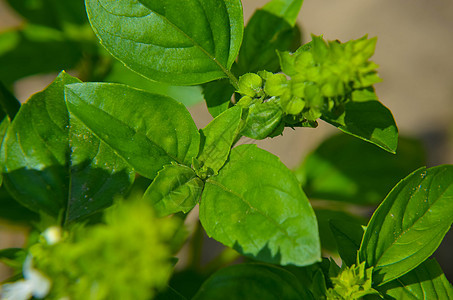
{"type": "Point", "coordinates": [12, 211]}
{"type": "Point", "coordinates": [427, 281]}
{"type": "Point", "coordinates": [179, 42]}
{"type": "Point", "coordinates": [176, 188]}
{"type": "Point", "coordinates": [287, 9]}
{"type": "Point", "coordinates": [262, 120]}
{"type": "Point", "coordinates": [344, 168]}
{"type": "Point", "coordinates": [35, 150]}
{"type": "Point", "coordinates": [348, 236]}
{"type": "Point", "coordinates": [252, 281]}
{"type": "Point", "coordinates": [97, 173]}
{"type": "Point", "coordinates": [218, 137]}
{"type": "Point", "coordinates": [264, 34]}
{"type": "Point", "coordinates": [327, 236]}
{"type": "Point", "coordinates": [50, 13]}
{"type": "Point", "coordinates": [410, 224]}
{"type": "Point", "coordinates": [43, 49]}
{"type": "Point", "coordinates": [366, 118]}
{"type": "Point", "coordinates": [187, 95]}
{"type": "Point", "coordinates": [218, 95]}
{"type": "Point", "coordinates": [8, 103]}
{"type": "Point", "coordinates": [256, 206]}
{"type": "Point", "coordinates": [146, 130]}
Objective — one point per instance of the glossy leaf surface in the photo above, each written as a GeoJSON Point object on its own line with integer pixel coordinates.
{"type": "Point", "coordinates": [252, 281]}
{"type": "Point", "coordinates": [218, 137]}
{"type": "Point", "coordinates": [366, 118]}
{"type": "Point", "coordinates": [256, 206]}
{"type": "Point", "coordinates": [36, 149]}
{"type": "Point", "coordinates": [176, 188]}
{"type": "Point", "coordinates": [410, 224]}
{"type": "Point", "coordinates": [344, 168]}
{"type": "Point", "coordinates": [179, 42]}
{"type": "Point", "coordinates": [427, 281]}
{"type": "Point", "coordinates": [146, 130]}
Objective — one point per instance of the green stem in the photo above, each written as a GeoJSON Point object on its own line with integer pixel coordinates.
{"type": "Point", "coordinates": [226, 257]}
{"type": "Point", "coordinates": [196, 247]}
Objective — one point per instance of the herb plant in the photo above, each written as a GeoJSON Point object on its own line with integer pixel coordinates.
{"type": "Point", "coordinates": [75, 148]}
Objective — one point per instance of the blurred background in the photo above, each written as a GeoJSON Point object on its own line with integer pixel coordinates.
{"type": "Point", "coordinates": [415, 42]}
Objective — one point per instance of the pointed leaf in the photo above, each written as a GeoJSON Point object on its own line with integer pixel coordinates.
{"type": "Point", "coordinates": [427, 281]}
{"type": "Point", "coordinates": [366, 118]}
{"type": "Point", "coordinates": [264, 34]}
{"type": "Point", "coordinates": [344, 168]}
{"type": "Point", "coordinates": [35, 150]}
{"type": "Point", "coordinates": [179, 42]}
{"type": "Point", "coordinates": [176, 188]}
{"type": "Point", "coordinates": [410, 224]}
{"type": "Point", "coordinates": [348, 236]}
{"type": "Point", "coordinates": [252, 281]}
{"type": "Point", "coordinates": [147, 130]}
{"type": "Point", "coordinates": [218, 137]}
{"type": "Point", "coordinates": [255, 205]}
{"type": "Point", "coordinates": [287, 9]}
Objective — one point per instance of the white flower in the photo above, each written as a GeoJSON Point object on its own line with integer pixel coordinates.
{"type": "Point", "coordinates": [52, 235]}
{"type": "Point", "coordinates": [34, 284]}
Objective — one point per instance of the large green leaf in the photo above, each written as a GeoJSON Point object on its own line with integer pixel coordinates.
{"type": "Point", "coordinates": [366, 118]}
{"type": "Point", "coordinates": [176, 188]}
{"type": "Point", "coordinates": [344, 168]}
{"type": "Point", "coordinates": [252, 281]}
{"type": "Point", "coordinates": [35, 150]}
{"type": "Point", "coordinates": [147, 130]}
{"type": "Point", "coordinates": [179, 42]}
{"type": "Point", "coordinates": [12, 211]}
{"type": "Point", "coordinates": [267, 31]}
{"type": "Point", "coordinates": [256, 205]}
{"type": "Point", "coordinates": [52, 13]}
{"type": "Point", "coordinates": [410, 224]}
{"type": "Point", "coordinates": [33, 50]}
{"type": "Point", "coordinates": [427, 281]}
{"type": "Point", "coordinates": [218, 137]}
{"type": "Point", "coordinates": [51, 163]}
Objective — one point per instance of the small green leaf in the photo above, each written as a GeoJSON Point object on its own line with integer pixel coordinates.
{"type": "Point", "coordinates": [366, 118]}
{"type": "Point", "coordinates": [179, 42]}
{"type": "Point", "coordinates": [265, 33]}
{"type": "Point", "coordinates": [287, 9]}
{"type": "Point", "coordinates": [348, 236]}
{"type": "Point", "coordinates": [176, 188]}
{"type": "Point", "coordinates": [256, 206]}
{"type": "Point", "coordinates": [252, 281]}
{"type": "Point", "coordinates": [44, 50]}
{"type": "Point", "coordinates": [262, 120]}
{"type": "Point", "coordinates": [146, 130]}
{"type": "Point", "coordinates": [218, 137]}
{"type": "Point", "coordinates": [35, 150]}
{"type": "Point", "coordinates": [427, 281]}
{"type": "Point", "coordinates": [410, 224]}
{"type": "Point", "coordinates": [344, 168]}
{"type": "Point", "coordinates": [218, 95]}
